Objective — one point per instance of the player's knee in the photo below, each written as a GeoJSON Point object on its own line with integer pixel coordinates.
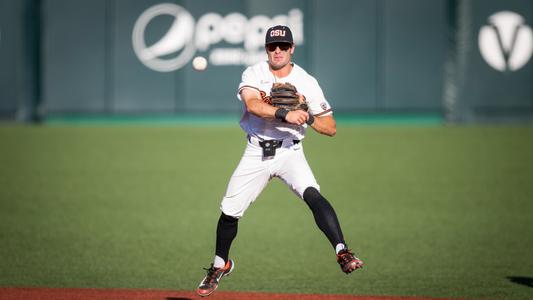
{"type": "Point", "coordinates": [312, 196]}
{"type": "Point", "coordinates": [228, 219]}
{"type": "Point", "coordinates": [230, 210]}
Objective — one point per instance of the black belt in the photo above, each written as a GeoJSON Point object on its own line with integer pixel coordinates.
{"type": "Point", "coordinates": [270, 146]}
{"type": "Point", "coordinates": [274, 143]}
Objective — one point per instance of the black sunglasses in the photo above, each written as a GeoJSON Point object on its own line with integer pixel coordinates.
{"type": "Point", "coordinates": [282, 46]}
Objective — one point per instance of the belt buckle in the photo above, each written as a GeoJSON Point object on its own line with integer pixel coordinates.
{"type": "Point", "coordinates": [269, 147]}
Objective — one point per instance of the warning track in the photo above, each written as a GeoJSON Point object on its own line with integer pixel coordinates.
{"type": "Point", "coordinates": [137, 294]}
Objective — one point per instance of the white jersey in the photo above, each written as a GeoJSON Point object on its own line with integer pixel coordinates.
{"type": "Point", "coordinates": [259, 77]}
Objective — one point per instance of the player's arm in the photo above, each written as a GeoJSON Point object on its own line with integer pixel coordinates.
{"type": "Point", "coordinates": [325, 125]}
{"type": "Point", "coordinates": [255, 105]}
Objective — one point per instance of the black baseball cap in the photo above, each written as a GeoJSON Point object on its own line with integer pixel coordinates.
{"type": "Point", "coordinates": [278, 34]}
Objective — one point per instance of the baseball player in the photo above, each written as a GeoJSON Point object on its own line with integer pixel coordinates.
{"type": "Point", "coordinates": [274, 149]}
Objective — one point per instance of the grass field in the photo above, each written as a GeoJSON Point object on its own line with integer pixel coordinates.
{"type": "Point", "coordinates": [432, 210]}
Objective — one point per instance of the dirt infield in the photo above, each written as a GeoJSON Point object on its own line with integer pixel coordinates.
{"type": "Point", "coordinates": [125, 294]}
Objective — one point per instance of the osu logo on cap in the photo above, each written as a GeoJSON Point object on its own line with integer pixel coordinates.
{"type": "Point", "coordinates": [277, 32]}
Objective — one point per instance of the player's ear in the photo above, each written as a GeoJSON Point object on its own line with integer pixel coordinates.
{"type": "Point", "coordinates": [292, 48]}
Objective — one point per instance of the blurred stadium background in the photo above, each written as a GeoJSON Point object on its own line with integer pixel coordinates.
{"type": "Point", "coordinates": [447, 60]}
{"type": "Point", "coordinates": [437, 211]}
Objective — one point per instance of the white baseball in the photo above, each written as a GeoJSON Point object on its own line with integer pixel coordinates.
{"type": "Point", "coordinates": [199, 63]}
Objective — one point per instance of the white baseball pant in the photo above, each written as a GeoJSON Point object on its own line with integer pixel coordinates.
{"type": "Point", "coordinates": [254, 172]}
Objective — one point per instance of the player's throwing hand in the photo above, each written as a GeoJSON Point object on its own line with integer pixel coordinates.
{"type": "Point", "coordinates": [298, 117]}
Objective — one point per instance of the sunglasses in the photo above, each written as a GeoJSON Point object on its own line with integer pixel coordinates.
{"type": "Point", "coordinates": [282, 46]}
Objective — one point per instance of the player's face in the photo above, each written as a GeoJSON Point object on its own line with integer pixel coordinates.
{"type": "Point", "coordinates": [279, 54]}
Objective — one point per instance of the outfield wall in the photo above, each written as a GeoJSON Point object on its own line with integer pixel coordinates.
{"type": "Point", "coordinates": [109, 57]}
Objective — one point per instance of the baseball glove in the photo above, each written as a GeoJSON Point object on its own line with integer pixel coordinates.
{"type": "Point", "coordinates": [285, 95]}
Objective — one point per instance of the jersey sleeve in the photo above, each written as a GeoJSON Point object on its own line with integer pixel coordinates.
{"type": "Point", "coordinates": [318, 105]}
{"type": "Point", "coordinates": [248, 80]}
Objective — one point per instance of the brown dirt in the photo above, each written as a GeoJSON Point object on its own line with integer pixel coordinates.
{"type": "Point", "coordinates": [134, 294]}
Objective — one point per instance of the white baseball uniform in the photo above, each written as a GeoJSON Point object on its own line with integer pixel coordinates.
{"type": "Point", "coordinates": [289, 164]}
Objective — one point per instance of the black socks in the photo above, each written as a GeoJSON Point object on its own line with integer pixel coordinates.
{"type": "Point", "coordinates": [325, 216]}
{"type": "Point", "coordinates": [226, 232]}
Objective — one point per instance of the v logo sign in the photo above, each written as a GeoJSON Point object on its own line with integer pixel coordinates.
{"type": "Point", "coordinates": [507, 43]}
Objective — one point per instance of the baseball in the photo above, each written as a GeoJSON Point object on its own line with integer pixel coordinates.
{"type": "Point", "coordinates": [199, 63]}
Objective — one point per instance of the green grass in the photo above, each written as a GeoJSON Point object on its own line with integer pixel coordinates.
{"type": "Point", "coordinates": [433, 211]}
